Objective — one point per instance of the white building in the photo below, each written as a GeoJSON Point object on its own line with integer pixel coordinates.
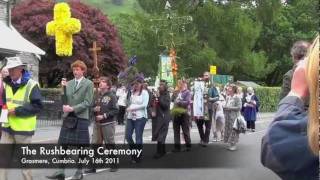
{"type": "Point", "coordinates": [12, 42]}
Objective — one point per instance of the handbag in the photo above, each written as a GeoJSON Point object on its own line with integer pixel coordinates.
{"type": "Point", "coordinates": [240, 124]}
{"type": "Point", "coordinates": [70, 122]}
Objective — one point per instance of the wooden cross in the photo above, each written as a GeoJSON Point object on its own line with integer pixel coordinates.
{"type": "Point", "coordinates": [95, 69]}
{"type": "Point", "coordinates": [95, 72]}
{"type": "Point", "coordinates": [94, 51]}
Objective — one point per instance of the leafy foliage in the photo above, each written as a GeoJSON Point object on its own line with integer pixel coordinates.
{"type": "Point", "coordinates": [269, 98]}
{"type": "Point", "coordinates": [248, 40]}
{"type": "Point", "coordinates": [30, 19]}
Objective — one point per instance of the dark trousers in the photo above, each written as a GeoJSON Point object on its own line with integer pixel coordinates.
{"type": "Point", "coordinates": [122, 111]}
{"type": "Point", "coordinates": [204, 131]}
{"type": "Point", "coordinates": [183, 122]}
{"type": "Point", "coordinates": [251, 124]}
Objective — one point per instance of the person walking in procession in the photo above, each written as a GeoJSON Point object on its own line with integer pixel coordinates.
{"type": "Point", "coordinates": [137, 116]}
{"type": "Point", "coordinates": [250, 109]}
{"type": "Point", "coordinates": [218, 120]}
{"type": "Point", "coordinates": [231, 112]}
{"type": "Point", "coordinates": [212, 99]}
{"type": "Point", "coordinates": [105, 120]}
{"type": "Point", "coordinates": [122, 103]}
{"type": "Point", "coordinates": [162, 118]}
{"type": "Point", "coordinates": [182, 120]}
{"type": "Point", "coordinates": [200, 111]}
{"type": "Point", "coordinates": [23, 100]}
{"type": "Point", "coordinates": [79, 98]}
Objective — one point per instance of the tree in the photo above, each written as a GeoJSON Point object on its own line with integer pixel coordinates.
{"type": "Point", "coordinates": [298, 20]}
{"type": "Point", "coordinates": [139, 38]}
{"type": "Point", "coordinates": [30, 19]}
{"type": "Point", "coordinates": [248, 39]}
{"type": "Point", "coordinates": [117, 2]}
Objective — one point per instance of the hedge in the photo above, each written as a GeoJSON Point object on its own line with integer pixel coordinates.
{"type": "Point", "coordinates": [268, 97]}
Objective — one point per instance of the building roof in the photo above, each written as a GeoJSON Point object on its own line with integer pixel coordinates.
{"type": "Point", "coordinates": [249, 84]}
{"type": "Point", "coordinates": [13, 42]}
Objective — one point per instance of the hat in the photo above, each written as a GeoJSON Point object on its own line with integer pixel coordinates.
{"type": "Point", "coordinates": [13, 62]}
{"type": "Point", "coordinates": [139, 78]}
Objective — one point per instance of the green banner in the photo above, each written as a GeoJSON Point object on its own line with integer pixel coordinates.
{"type": "Point", "coordinates": [165, 72]}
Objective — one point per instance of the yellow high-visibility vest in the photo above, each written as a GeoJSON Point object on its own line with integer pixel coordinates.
{"type": "Point", "coordinates": [21, 97]}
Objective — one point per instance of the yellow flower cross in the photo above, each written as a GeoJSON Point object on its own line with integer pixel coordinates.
{"type": "Point", "coordinates": [63, 27]}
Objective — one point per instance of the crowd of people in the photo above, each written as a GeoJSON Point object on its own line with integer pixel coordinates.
{"type": "Point", "coordinates": [222, 112]}
{"type": "Point", "coordinates": [132, 107]}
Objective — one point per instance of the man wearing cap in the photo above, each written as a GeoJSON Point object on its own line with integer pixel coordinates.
{"type": "Point", "coordinates": [23, 99]}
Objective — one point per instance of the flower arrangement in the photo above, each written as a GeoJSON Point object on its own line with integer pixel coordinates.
{"type": "Point", "coordinates": [63, 27]}
{"type": "Point", "coordinates": [177, 111]}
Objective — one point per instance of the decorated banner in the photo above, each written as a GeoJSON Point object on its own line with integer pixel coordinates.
{"type": "Point", "coordinates": [198, 101]}
{"type": "Point", "coordinates": [166, 69]}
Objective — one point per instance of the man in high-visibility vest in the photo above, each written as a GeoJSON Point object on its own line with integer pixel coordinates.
{"type": "Point", "coordinates": [23, 100]}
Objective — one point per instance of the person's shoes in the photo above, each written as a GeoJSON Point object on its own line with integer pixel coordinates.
{"type": "Point", "coordinates": [176, 150]}
{"type": "Point", "coordinates": [205, 144]}
{"type": "Point", "coordinates": [89, 171]}
{"type": "Point", "coordinates": [232, 148]}
{"type": "Point", "coordinates": [214, 139]}
{"type": "Point", "coordinates": [77, 176]}
{"type": "Point", "coordinates": [200, 143]}
{"type": "Point", "coordinates": [253, 130]}
{"type": "Point", "coordinates": [56, 175]}
{"type": "Point", "coordinates": [188, 149]}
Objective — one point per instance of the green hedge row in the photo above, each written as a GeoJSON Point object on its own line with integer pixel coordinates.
{"type": "Point", "coordinates": [268, 97]}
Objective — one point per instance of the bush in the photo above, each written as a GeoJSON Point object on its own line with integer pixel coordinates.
{"type": "Point", "coordinates": [268, 97]}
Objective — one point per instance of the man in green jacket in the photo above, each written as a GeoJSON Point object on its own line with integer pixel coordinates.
{"type": "Point", "coordinates": [78, 99]}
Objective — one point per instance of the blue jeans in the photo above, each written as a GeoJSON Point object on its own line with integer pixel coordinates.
{"type": "Point", "coordinates": [138, 126]}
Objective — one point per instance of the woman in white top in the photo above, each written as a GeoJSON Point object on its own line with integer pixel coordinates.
{"type": "Point", "coordinates": [122, 103]}
{"type": "Point", "coordinates": [137, 116]}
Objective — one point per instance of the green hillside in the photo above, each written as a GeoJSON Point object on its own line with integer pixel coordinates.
{"type": "Point", "coordinates": [111, 9]}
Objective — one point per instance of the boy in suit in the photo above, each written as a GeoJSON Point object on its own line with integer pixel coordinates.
{"type": "Point", "coordinates": [79, 97]}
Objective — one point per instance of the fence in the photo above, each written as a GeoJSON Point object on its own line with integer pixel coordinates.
{"type": "Point", "coordinates": [52, 108]}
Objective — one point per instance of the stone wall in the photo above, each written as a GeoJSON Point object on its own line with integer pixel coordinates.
{"type": "Point", "coordinates": [3, 11]}
{"type": "Point", "coordinates": [32, 62]}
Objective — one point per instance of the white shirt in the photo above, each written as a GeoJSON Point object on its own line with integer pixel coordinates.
{"type": "Point", "coordinates": [139, 105]}
{"type": "Point", "coordinates": [122, 96]}
{"type": "Point", "coordinates": [78, 81]}
{"type": "Point", "coordinates": [17, 81]}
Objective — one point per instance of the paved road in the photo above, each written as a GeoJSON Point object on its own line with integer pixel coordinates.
{"type": "Point", "coordinates": [244, 164]}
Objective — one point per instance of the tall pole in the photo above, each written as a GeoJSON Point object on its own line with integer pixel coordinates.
{"type": "Point", "coordinates": [171, 24]}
